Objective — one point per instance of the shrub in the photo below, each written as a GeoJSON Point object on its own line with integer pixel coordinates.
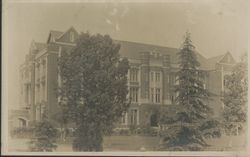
{"type": "Point", "coordinates": [23, 132]}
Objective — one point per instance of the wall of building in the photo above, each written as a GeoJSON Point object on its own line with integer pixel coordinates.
{"type": "Point", "coordinates": [52, 84]}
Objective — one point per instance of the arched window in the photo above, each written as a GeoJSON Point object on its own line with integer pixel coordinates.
{"type": "Point", "coordinates": [22, 122]}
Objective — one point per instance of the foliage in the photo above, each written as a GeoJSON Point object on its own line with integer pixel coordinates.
{"type": "Point", "coordinates": [235, 98]}
{"type": "Point", "coordinates": [23, 132]}
{"type": "Point", "coordinates": [94, 88]}
{"type": "Point", "coordinates": [44, 136]}
{"type": "Point", "coordinates": [60, 118]}
{"type": "Point", "coordinates": [148, 131]}
{"type": "Point", "coordinates": [121, 131]}
{"type": "Point", "coordinates": [187, 126]}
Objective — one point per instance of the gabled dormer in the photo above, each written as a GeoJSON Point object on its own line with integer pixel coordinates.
{"type": "Point", "coordinates": [227, 59]}
{"type": "Point", "coordinates": [69, 36]}
{"type": "Point", "coordinates": [53, 36]}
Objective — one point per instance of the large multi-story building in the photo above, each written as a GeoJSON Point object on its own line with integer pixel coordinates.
{"type": "Point", "coordinates": [151, 76]}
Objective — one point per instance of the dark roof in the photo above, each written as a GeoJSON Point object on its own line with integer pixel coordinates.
{"type": "Point", "coordinates": [40, 46]}
{"type": "Point", "coordinates": [211, 62]}
{"type": "Point", "coordinates": [132, 50]}
{"type": "Point", "coordinates": [56, 34]}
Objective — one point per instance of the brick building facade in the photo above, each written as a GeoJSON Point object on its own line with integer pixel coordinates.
{"type": "Point", "coordinates": [151, 77]}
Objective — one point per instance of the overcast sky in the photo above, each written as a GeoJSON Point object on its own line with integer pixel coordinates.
{"type": "Point", "coordinates": [216, 26]}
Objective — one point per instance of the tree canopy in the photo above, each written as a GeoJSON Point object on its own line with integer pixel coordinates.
{"type": "Point", "coordinates": [235, 98]}
{"type": "Point", "coordinates": [93, 89]}
{"type": "Point", "coordinates": [187, 128]}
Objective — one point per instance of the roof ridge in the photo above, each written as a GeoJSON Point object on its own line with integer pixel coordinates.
{"type": "Point", "coordinates": [56, 31]}
{"type": "Point", "coordinates": [149, 44]}
{"type": "Point", "coordinates": [216, 56]}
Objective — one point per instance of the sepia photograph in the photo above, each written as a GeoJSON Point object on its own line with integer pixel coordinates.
{"type": "Point", "coordinates": [105, 77]}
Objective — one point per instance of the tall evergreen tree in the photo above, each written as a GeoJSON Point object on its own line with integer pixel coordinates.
{"type": "Point", "coordinates": [235, 98]}
{"type": "Point", "coordinates": [193, 116]}
{"type": "Point", "coordinates": [94, 89]}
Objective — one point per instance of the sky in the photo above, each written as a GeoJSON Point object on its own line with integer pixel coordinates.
{"type": "Point", "coordinates": [216, 26]}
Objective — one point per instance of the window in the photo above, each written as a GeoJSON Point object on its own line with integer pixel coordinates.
{"type": "Point", "coordinates": [26, 73]}
{"type": "Point", "coordinates": [157, 77]}
{"type": "Point", "coordinates": [167, 77]}
{"type": "Point", "coordinates": [146, 93]}
{"type": "Point", "coordinates": [38, 70]}
{"type": "Point", "coordinates": [44, 66]}
{"type": "Point", "coordinates": [124, 118]}
{"type": "Point", "coordinates": [134, 94]}
{"type": "Point", "coordinates": [71, 36]}
{"type": "Point", "coordinates": [38, 93]}
{"type": "Point", "coordinates": [172, 98]}
{"type": "Point", "coordinates": [152, 94]}
{"type": "Point", "coordinates": [26, 93]}
{"type": "Point", "coordinates": [226, 77]}
{"type": "Point", "coordinates": [176, 80]}
{"type": "Point", "coordinates": [134, 75]}
{"type": "Point", "coordinates": [157, 95]}
{"type": "Point", "coordinates": [204, 86]}
{"type": "Point", "coordinates": [152, 76]}
{"type": "Point", "coordinates": [37, 112]}
{"type": "Point", "coordinates": [154, 120]}
{"type": "Point", "coordinates": [43, 92]}
{"type": "Point", "coordinates": [133, 117]}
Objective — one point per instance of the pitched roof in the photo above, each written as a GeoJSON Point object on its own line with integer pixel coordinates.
{"type": "Point", "coordinates": [132, 50]}
{"type": "Point", "coordinates": [63, 33]}
{"type": "Point", "coordinates": [56, 34]}
{"type": "Point", "coordinates": [39, 46]}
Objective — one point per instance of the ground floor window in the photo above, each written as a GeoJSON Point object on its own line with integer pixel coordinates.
{"type": "Point", "coordinates": [22, 122]}
{"type": "Point", "coordinates": [133, 116]}
{"type": "Point", "coordinates": [153, 120]}
{"type": "Point", "coordinates": [124, 118]}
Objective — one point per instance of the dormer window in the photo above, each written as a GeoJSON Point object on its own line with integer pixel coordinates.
{"type": "Point", "coordinates": [71, 36]}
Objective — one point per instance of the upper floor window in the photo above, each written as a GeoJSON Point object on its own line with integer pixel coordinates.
{"type": "Point", "coordinates": [172, 98]}
{"type": "Point", "coordinates": [134, 94]}
{"type": "Point", "coordinates": [157, 76]}
{"type": "Point", "coordinates": [134, 75]}
{"type": "Point", "coordinates": [167, 77]}
{"type": "Point", "coordinates": [152, 94]}
{"type": "Point", "coordinates": [72, 37]}
{"type": "Point", "coordinates": [226, 77]}
{"type": "Point", "coordinates": [44, 66]}
{"type": "Point", "coordinates": [152, 76]}
{"type": "Point", "coordinates": [157, 95]}
{"type": "Point", "coordinates": [176, 80]}
{"type": "Point", "coordinates": [26, 73]}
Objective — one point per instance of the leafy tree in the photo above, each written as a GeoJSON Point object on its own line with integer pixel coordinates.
{"type": "Point", "coordinates": [186, 128]}
{"type": "Point", "coordinates": [235, 98]}
{"type": "Point", "coordinates": [94, 88]}
{"type": "Point", "coordinates": [44, 136]}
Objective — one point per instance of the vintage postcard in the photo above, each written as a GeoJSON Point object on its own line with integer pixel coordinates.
{"type": "Point", "coordinates": [151, 78]}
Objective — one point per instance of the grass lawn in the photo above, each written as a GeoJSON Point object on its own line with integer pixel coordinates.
{"type": "Point", "coordinates": [138, 143]}
{"type": "Point", "coordinates": [147, 143]}
{"type": "Point", "coordinates": [119, 143]}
